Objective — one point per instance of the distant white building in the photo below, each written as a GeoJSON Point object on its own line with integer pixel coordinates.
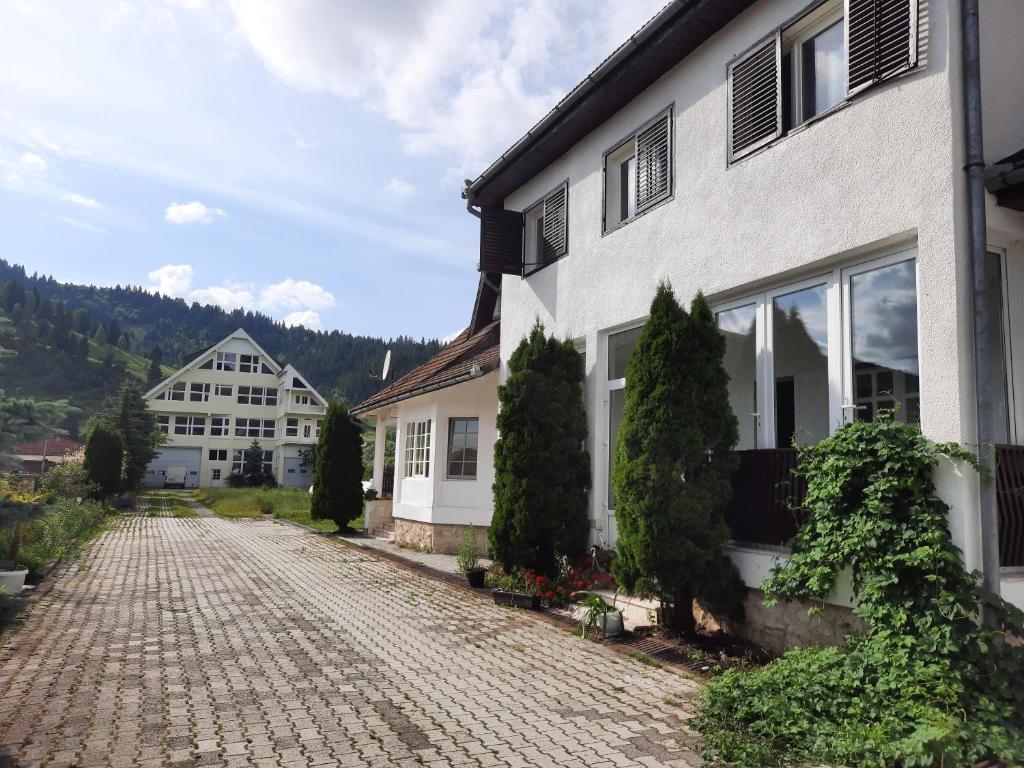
{"type": "Point", "coordinates": [222, 399]}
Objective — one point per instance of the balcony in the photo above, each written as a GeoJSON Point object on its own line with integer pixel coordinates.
{"type": "Point", "coordinates": [765, 490]}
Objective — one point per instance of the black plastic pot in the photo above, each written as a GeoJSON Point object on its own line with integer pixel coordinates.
{"type": "Point", "coordinates": [517, 599]}
{"type": "Point", "coordinates": [475, 577]}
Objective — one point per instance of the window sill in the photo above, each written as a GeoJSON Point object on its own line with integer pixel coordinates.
{"type": "Point", "coordinates": [638, 214]}
{"type": "Point", "coordinates": [460, 479]}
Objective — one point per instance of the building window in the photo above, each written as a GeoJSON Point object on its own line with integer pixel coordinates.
{"type": "Point", "coordinates": [223, 390]}
{"type": "Point", "coordinates": [207, 365]}
{"type": "Point", "coordinates": [163, 423]}
{"type": "Point", "coordinates": [804, 69]}
{"type": "Point", "coordinates": [254, 427]}
{"type": "Point", "coordinates": [417, 448]}
{"type": "Point", "coordinates": [291, 428]}
{"type": "Point", "coordinates": [307, 430]}
{"type": "Point", "coordinates": [215, 473]}
{"type": "Point", "coordinates": [638, 172]}
{"type": "Point", "coordinates": [239, 457]}
{"type": "Point", "coordinates": [177, 391]}
{"type": "Point", "coordinates": [620, 349]}
{"type": "Point", "coordinates": [546, 230]}
{"type": "Point", "coordinates": [302, 399]}
{"type": "Point", "coordinates": [248, 363]}
{"type": "Point", "coordinates": [256, 395]}
{"type": "Point", "coordinates": [220, 426]}
{"type": "Point", "coordinates": [463, 439]}
{"type": "Point", "coordinates": [805, 358]}
{"type": "Point", "coordinates": [226, 361]}
{"type": "Point", "coordinates": [319, 422]}
{"type": "Point", "coordinates": [218, 454]}
{"type": "Point", "coordinates": [189, 425]}
{"type": "Point", "coordinates": [199, 393]}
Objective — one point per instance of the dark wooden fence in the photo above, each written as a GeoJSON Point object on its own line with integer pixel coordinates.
{"type": "Point", "coordinates": [763, 491]}
{"type": "Point", "coordinates": [1010, 500]}
{"type": "Point", "coordinates": [387, 490]}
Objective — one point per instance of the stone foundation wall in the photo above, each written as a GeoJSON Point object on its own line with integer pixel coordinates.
{"type": "Point", "coordinates": [786, 625]}
{"type": "Point", "coordinates": [377, 514]}
{"type": "Point", "coordinates": [440, 538]}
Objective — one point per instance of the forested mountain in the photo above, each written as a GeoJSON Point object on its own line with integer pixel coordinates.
{"type": "Point", "coordinates": [77, 341]}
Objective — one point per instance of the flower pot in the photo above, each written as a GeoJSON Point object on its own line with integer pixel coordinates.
{"type": "Point", "coordinates": [475, 577]}
{"type": "Point", "coordinates": [13, 581]}
{"type": "Point", "coordinates": [610, 623]}
{"type": "Point", "coordinates": [517, 599]}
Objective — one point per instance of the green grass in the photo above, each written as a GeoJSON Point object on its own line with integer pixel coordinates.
{"type": "Point", "coordinates": [285, 503]}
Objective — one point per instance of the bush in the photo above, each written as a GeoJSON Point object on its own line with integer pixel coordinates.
{"type": "Point", "coordinates": [926, 683]}
{"type": "Point", "coordinates": [236, 480]}
{"type": "Point", "coordinates": [468, 557]}
{"type": "Point", "coordinates": [60, 532]}
{"type": "Point", "coordinates": [266, 503]}
{"type": "Point", "coordinates": [69, 478]}
{"type": "Point", "coordinates": [541, 469]}
{"type": "Point", "coordinates": [338, 475]}
{"type": "Point", "coordinates": [592, 572]}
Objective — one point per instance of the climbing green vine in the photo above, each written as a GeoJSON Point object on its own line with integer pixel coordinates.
{"type": "Point", "coordinates": [925, 683]}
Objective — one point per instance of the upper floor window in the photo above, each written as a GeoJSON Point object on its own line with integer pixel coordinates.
{"type": "Point", "coordinates": [810, 65]}
{"type": "Point", "coordinates": [546, 230]}
{"type": "Point", "coordinates": [417, 448]}
{"type": "Point", "coordinates": [220, 426]}
{"type": "Point", "coordinates": [638, 172]}
{"type": "Point", "coordinates": [226, 361]}
{"type": "Point", "coordinates": [189, 425]}
{"type": "Point", "coordinates": [302, 399]}
{"type": "Point", "coordinates": [177, 391]}
{"type": "Point", "coordinates": [223, 390]}
{"type": "Point", "coordinates": [249, 363]}
{"type": "Point", "coordinates": [199, 393]}
{"type": "Point", "coordinates": [254, 427]}
{"type": "Point", "coordinates": [256, 395]}
{"type": "Point", "coordinates": [291, 428]}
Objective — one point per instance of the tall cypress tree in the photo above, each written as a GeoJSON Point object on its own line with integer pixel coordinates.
{"type": "Point", "coordinates": [674, 464]}
{"type": "Point", "coordinates": [338, 469]}
{"type": "Point", "coordinates": [541, 469]}
{"type": "Point", "coordinates": [104, 458]}
{"type": "Point", "coordinates": [138, 426]}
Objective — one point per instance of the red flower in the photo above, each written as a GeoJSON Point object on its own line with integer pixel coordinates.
{"type": "Point", "coordinates": [550, 595]}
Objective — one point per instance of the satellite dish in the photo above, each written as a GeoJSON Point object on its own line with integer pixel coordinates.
{"type": "Point", "coordinates": [387, 366]}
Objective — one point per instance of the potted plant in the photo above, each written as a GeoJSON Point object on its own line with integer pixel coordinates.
{"type": "Point", "coordinates": [468, 560]}
{"type": "Point", "coordinates": [511, 589]}
{"type": "Point", "coordinates": [16, 507]}
{"type": "Point", "coordinates": [598, 613]}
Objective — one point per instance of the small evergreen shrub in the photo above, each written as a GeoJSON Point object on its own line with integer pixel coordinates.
{"type": "Point", "coordinates": [338, 472]}
{"type": "Point", "coordinates": [104, 459]}
{"type": "Point", "coordinates": [925, 683]}
{"type": "Point", "coordinates": [468, 557]}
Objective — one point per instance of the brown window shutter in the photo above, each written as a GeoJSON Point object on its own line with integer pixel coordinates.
{"type": "Point", "coordinates": [755, 97]}
{"type": "Point", "coordinates": [654, 162]}
{"type": "Point", "coordinates": [556, 224]}
{"type": "Point", "coordinates": [881, 39]}
{"type": "Point", "coordinates": [501, 241]}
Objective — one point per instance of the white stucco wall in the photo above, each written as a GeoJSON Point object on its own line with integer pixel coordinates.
{"type": "Point", "coordinates": [438, 499]}
{"type": "Point", "coordinates": [882, 174]}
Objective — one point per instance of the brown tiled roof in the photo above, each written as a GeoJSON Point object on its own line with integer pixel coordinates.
{"type": "Point", "coordinates": [54, 446]}
{"type": "Point", "coordinates": [445, 368]}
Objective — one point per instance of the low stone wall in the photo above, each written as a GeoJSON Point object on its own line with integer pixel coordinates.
{"type": "Point", "coordinates": [377, 514]}
{"type": "Point", "coordinates": [439, 538]}
{"type": "Point", "coordinates": [786, 625]}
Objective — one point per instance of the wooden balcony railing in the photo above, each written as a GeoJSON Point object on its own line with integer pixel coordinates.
{"type": "Point", "coordinates": [1010, 501]}
{"type": "Point", "coordinates": [764, 490]}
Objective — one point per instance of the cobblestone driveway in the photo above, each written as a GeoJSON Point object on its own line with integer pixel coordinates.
{"type": "Point", "coordinates": [189, 642]}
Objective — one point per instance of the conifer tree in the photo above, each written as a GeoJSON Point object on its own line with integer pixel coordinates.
{"type": "Point", "coordinates": [674, 465]}
{"type": "Point", "coordinates": [541, 469]}
{"type": "Point", "coordinates": [137, 425]}
{"type": "Point", "coordinates": [104, 458]}
{"type": "Point", "coordinates": [338, 468]}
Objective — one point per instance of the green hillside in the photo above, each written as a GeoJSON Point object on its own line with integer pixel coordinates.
{"type": "Point", "coordinates": [80, 342]}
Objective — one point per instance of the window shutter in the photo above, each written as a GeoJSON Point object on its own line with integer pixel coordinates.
{"type": "Point", "coordinates": [556, 224]}
{"type": "Point", "coordinates": [755, 97]}
{"type": "Point", "coordinates": [501, 241]}
{"type": "Point", "coordinates": [654, 162]}
{"type": "Point", "coordinates": [881, 39]}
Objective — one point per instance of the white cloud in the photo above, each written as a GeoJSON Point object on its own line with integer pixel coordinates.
{"type": "Point", "coordinates": [451, 336]}
{"type": "Point", "coordinates": [32, 162]}
{"type": "Point", "coordinates": [296, 294]}
{"type": "Point", "coordinates": [194, 212]}
{"type": "Point", "coordinates": [307, 318]}
{"type": "Point", "coordinates": [172, 279]}
{"type": "Point", "coordinates": [236, 296]}
{"type": "Point", "coordinates": [82, 200]}
{"type": "Point", "coordinates": [82, 225]}
{"type": "Point", "coordinates": [463, 77]}
{"type": "Point", "coordinates": [399, 188]}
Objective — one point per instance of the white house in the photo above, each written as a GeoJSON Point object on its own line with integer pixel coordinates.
{"type": "Point", "coordinates": [802, 164]}
{"type": "Point", "coordinates": [222, 399]}
{"type": "Point", "coordinates": [443, 415]}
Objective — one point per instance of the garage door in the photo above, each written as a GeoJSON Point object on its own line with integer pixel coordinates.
{"type": "Point", "coordinates": [295, 475]}
{"type": "Point", "coordinates": [188, 458]}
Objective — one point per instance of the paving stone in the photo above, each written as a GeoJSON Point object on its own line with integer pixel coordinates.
{"type": "Point", "coordinates": [208, 642]}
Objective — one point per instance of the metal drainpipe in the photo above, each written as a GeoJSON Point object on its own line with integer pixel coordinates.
{"type": "Point", "coordinates": [977, 232]}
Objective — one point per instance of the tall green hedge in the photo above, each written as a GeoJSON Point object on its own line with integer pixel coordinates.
{"type": "Point", "coordinates": [674, 465]}
{"type": "Point", "coordinates": [338, 468]}
{"type": "Point", "coordinates": [104, 458]}
{"type": "Point", "coordinates": [541, 469]}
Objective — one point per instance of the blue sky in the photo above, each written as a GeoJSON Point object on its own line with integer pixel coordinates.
{"type": "Point", "coordinates": [302, 157]}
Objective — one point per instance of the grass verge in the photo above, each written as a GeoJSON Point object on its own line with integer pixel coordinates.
{"type": "Point", "coordinates": [283, 503]}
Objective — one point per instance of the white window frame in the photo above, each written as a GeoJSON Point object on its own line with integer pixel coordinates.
{"type": "Point", "coordinates": [193, 425]}
{"type": "Point", "coordinates": [841, 393]}
{"type": "Point", "coordinates": [177, 388]}
{"type": "Point", "coordinates": [163, 423]}
{"type": "Point", "coordinates": [793, 38]}
{"type": "Point", "coordinates": [217, 454]}
{"type": "Point", "coordinates": [215, 474]}
{"type": "Point", "coordinates": [227, 361]}
{"type": "Point", "coordinates": [291, 427]}
{"type": "Point", "coordinates": [307, 430]}
{"type": "Point", "coordinates": [760, 315]}
{"type": "Point", "coordinates": [224, 390]}
{"type": "Point", "coordinates": [416, 454]}
{"type": "Point", "coordinates": [223, 428]}
{"type": "Point", "coordinates": [448, 453]}
{"type": "Point", "coordinates": [198, 392]}
{"type": "Point", "coordinates": [248, 363]}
